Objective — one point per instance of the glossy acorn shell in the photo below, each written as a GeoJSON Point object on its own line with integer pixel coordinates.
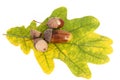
{"type": "Point", "coordinates": [60, 36]}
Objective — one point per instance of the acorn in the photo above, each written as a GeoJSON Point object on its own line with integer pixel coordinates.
{"type": "Point", "coordinates": [55, 22]}
{"type": "Point", "coordinates": [39, 43]}
{"type": "Point", "coordinates": [57, 36]}
{"type": "Point", "coordinates": [35, 34]}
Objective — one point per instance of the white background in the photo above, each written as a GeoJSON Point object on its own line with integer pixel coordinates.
{"type": "Point", "coordinates": [14, 65]}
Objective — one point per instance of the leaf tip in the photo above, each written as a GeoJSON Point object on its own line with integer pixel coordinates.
{"type": "Point", "coordinates": [62, 8]}
{"type": "Point", "coordinates": [91, 21]}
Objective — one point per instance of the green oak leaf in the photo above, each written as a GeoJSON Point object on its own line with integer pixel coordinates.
{"type": "Point", "coordinates": [85, 47]}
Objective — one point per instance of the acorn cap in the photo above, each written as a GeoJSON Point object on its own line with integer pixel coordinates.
{"type": "Point", "coordinates": [48, 35]}
{"type": "Point", "coordinates": [35, 34]}
{"type": "Point", "coordinates": [41, 45]}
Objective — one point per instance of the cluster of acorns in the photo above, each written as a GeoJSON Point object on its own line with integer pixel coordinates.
{"type": "Point", "coordinates": [51, 35]}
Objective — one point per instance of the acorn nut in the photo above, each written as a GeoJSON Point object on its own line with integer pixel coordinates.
{"type": "Point", "coordinates": [35, 34]}
{"type": "Point", "coordinates": [41, 45]}
{"type": "Point", "coordinates": [57, 36]}
{"type": "Point", "coordinates": [55, 22]}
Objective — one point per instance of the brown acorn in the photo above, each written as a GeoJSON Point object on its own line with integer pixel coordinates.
{"type": "Point", "coordinates": [55, 22]}
{"type": "Point", "coordinates": [57, 36]}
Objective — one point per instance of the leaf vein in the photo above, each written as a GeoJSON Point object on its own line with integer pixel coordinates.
{"type": "Point", "coordinates": [69, 58]}
{"type": "Point", "coordinates": [46, 60]}
{"type": "Point", "coordinates": [84, 50]}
